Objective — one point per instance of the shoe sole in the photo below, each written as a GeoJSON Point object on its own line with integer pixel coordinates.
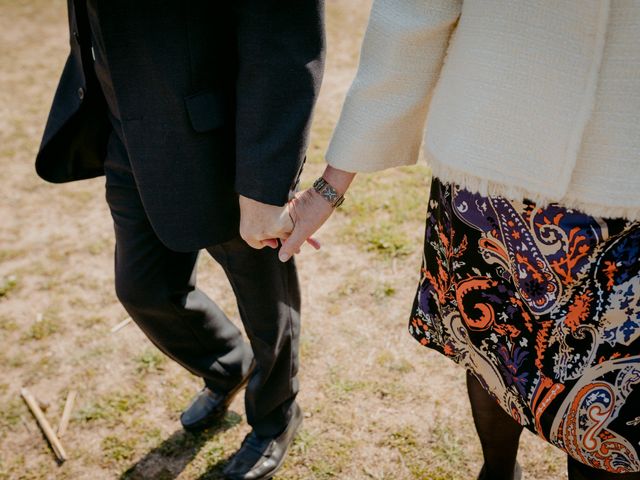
{"type": "Point", "coordinates": [210, 421]}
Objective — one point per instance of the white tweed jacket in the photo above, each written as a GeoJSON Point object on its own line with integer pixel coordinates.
{"type": "Point", "coordinates": [536, 99]}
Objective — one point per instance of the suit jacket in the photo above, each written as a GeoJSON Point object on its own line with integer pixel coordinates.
{"type": "Point", "coordinates": [214, 98]}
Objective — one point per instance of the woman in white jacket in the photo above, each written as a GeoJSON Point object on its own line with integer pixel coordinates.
{"type": "Point", "coordinates": [531, 275]}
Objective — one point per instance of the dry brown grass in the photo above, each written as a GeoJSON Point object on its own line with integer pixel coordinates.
{"type": "Point", "coordinates": [378, 406]}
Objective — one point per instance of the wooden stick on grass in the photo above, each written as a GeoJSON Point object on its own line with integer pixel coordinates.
{"type": "Point", "coordinates": [66, 413]}
{"type": "Point", "coordinates": [32, 403]}
{"type": "Point", "coordinates": [121, 325]}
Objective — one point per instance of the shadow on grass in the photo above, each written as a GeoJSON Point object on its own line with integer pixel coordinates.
{"type": "Point", "coordinates": [214, 472]}
{"type": "Point", "coordinates": [169, 459]}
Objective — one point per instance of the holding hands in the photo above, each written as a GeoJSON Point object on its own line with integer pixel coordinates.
{"type": "Point", "coordinates": [263, 225]}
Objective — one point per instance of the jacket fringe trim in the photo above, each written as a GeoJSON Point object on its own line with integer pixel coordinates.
{"type": "Point", "coordinates": [492, 188]}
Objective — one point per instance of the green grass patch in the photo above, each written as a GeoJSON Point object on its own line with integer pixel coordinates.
{"type": "Point", "coordinates": [442, 459]}
{"type": "Point", "coordinates": [92, 320]}
{"type": "Point", "coordinates": [385, 211]}
{"type": "Point", "coordinates": [330, 459]}
{"type": "Point", "coordinates": [307, 347]}
{"type": "Point", "coordinates": [16, 361]}
{"type": "Point", "coordinates": [180, 397]}
{"type": "Point", "coordinates": [383, 291]}
{"type": "Point", "coordinates": [15, 469]}
{"type": "Point", "coordinates": [7, 285]}
{"type": "Point", "coordinates": [10, 412]}
{"type": "Point", "coordinates": [7, 324]}
{"type": "Point", "coordinates": [324, 469]}
{"type": "Point", "coordinates": [150, 361]}
{"type": "Point", "coordinates": [10, 254]}
{"type": "Point", "coordinates": [390, 391]}
{"type": "Point", "coordinates": [100, 246]}
{"type": "Point", "coordinates": [448, 446]}
{"type": "Point", "coordinates": [341, 387]}
{"type": "Point", "coordinates": [390, 361]}
{"type": "Point", "coordinates": [45, 325]}
{"type": "Point", "coordinates": [351, 283]}
{"type": "Point", "coordinates": [213, 453]}
{"type": "Point", "coordinates": [304, 442]}
{"type": "Point", "coordinates": [111, 408]}
{"type": "Point", "coordinates": [385, 240]}
{"type": "Point", "coordinates": [404, 440]}
{"type": "Point", "coordinates": [317, 455]}
{"type": "Point", "coordinates": [118, 449]}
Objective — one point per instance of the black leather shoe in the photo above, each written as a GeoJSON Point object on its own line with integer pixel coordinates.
{"type": "Point", "coordinates": [209, 407]}
{"type": "Point", "coordinates": [259, 458]}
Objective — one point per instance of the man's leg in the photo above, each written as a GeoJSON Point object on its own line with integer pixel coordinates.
{"type": "Point", "coordinates": [157, 288]}
{"type": "Point", "coordinates": [268, 296]}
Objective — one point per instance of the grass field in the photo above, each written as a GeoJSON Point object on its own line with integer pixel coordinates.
{"type": "Point", "coordinates": [378, 406]}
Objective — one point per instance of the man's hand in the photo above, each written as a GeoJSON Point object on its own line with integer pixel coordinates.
{"type": "Point", "coordinates": [261, 225]}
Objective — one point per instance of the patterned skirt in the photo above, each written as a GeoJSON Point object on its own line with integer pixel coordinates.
{"type": "Point", "coordinates": [543, 306]}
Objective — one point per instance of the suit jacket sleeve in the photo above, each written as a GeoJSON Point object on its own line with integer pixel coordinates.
{"type": "Point", "coordinates": [382, 119]}
{"type": "Point", "coordinates": [281, 61]}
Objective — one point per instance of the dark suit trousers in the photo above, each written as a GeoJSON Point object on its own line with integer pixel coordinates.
{"type": "Point", "coordinates": [157, 287]}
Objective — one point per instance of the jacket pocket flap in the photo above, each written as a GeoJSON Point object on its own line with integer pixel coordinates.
{"type": "Point", "coordinates": [207, 110]}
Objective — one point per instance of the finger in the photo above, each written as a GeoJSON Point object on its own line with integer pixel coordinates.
{"type": "Point", "coordinates": [288, 215]}
{"type": "Point", "coordinates": [282, 229]}
{"type": "Point", "coordinates": [253, 243]}
{"type": "Point", "coordinates": [270, 242]}
{"type": "Point", "coordinates": [292, 244]}
{"type": "Point", "coordinates": [314, 243]}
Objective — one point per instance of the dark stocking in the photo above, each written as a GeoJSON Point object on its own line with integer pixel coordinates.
{"type": "Point", "coordinates": [499, 434]}
{"type": "Point", "coordinates": [580, 471]}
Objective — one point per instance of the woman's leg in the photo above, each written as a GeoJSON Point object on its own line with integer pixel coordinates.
{"type": "Point", "coordinates": [499, 434]}
{"type": "Point", "coordinates": [580, 471]}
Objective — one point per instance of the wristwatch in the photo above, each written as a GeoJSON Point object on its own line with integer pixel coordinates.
{"type": "Point", "coordinates": [327, 192]}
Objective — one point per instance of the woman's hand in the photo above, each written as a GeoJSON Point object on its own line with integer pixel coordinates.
{"type": "Point", "coordinates": [309, 211]}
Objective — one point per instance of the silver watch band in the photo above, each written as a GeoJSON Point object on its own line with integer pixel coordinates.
{"type": "Point", "coordinates": [327, 192]}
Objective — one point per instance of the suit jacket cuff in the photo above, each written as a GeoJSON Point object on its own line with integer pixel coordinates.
{"type": "Point", "coordinates": [269, 189]}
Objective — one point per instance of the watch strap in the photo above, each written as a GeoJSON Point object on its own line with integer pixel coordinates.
{"type": "Point", "coordinates": [326, 191]}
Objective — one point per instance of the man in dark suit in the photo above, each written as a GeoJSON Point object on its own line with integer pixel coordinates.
{"type": "Point", "coordinates": [188, 107]}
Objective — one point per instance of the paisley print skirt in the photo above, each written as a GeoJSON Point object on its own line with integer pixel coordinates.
{"type": "Point", "coordinates": [543, 306]}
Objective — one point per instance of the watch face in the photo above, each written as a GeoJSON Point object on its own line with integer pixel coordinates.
{"type": "Point", "coordinates": [330, 194]}
{"type": "Point", "coordinates": [327, 192]}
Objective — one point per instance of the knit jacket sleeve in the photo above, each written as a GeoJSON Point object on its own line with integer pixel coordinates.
{"type": "Point", "coordinates": [382, 119]}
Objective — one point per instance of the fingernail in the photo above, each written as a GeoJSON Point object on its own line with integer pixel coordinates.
{"type": "Point", "coordinates": [283, 256]}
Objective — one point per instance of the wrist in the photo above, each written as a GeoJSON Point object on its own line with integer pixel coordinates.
{"type": "Point", "coordinates": [338, 179]}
